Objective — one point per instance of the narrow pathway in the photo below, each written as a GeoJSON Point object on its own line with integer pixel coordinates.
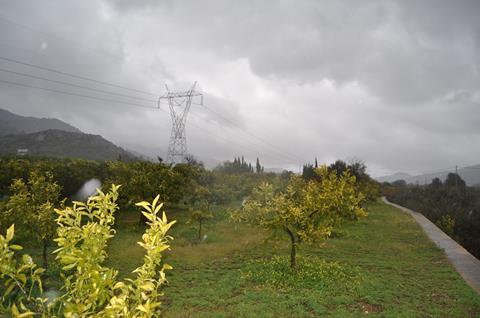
{"type": "Point", "coordinates": [464, 262]}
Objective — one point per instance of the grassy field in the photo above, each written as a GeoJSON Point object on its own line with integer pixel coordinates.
{"type": "Point", "coordinates": [402, 273]}
{"type": "Point", "coordinates": [396, 271]}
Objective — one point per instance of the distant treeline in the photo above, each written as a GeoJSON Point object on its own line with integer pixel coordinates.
{"type": "Point", "coordinates": [368, 186]}
{"type": "Point", "coordinates": [239, 165]}
{"type": "Point", "coordinates": [139, 179]}
{"type": "Point", "coordinates": [452, 205]}
{"type": "Point", "coordinates": [230, 181]}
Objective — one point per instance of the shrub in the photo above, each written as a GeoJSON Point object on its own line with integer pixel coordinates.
{"type": "Point", "coordinates": [313, 272]}
{"type": "Point", "coordinates": [90, 288]}
{"type": "Point", "coordinates": [20, 282]}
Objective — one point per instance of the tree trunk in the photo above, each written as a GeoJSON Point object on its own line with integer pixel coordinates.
{"type": "Point", "coordinates": [293, 251]}
{"type": "Point", "coordinates": [293, 255]}
{"type": "Point", "coordinates": [44, 254]}
{"type": "Point", "coordinates": [200, 230]}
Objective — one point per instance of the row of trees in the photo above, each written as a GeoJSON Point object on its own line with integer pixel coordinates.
{"type": "Point", "coordinates": [31, 187]}
{"type": "Point", "coordinates": [239, 165]}
{"type": "Point", "coordinates": [368, 186]}
{"type": "Point", "coordinates": [450, 204]}
{"type": "Point", "coordinates": [140, 179]}
{"type": "Point", "coordinates": [190, 185]}
{"type": "Point", "coordinates": [305, 209]}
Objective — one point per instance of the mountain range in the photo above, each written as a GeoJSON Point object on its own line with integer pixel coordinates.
{"type": "Point", "coordinates": [13, 124]}
{"type": "Point", "coordinates": [52, 137]}
{"type": "Point", "coordinates": [470, 174]}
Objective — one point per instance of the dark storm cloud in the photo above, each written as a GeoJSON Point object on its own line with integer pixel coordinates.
{"type": "Point", "coordinates": [405, 52]}
{"type": "Point", "coordinates": [393, 82]}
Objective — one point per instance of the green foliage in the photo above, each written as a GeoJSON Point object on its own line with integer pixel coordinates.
{"type": "Point", "coordinates": [239, 165]}
{"type": "Point", "coordinates": [308, 172]}
{"type": "Point", "coordinates": [144, 179]}
{"type": "Point", "coordinates": [312, 272]}
{"type": "Point", "coordinates": [452, 205]}
{"type": "Point", "coordinates": [365, 184]}
{"type": "Point", "coordinates": [140, 297]}
{"type": "Point", "coordinates": [258, 167]}
{"type": "Point", "coordinates": [140, 179]}
{"type": "Point", "coordinates": [31, 207]}
{"type": "Point", "coordinates": [307, 210]}
{"type": "Point", "coordinates": [20, 282]}
{"type": "Point", "coordinates": [199, 216]}
{"type": "Point", "coordinates": [200, 211]}
{"type": "Point", "coordinates": [69, 173]}
{"type": "Point", "coordinates": [404, 274]}
{"type": "Point", "coordinates": [83, 233]}
{"type": "Point", "coordinates": [90, 288]}
{"type": "Point", "coordinates": [447, 224]}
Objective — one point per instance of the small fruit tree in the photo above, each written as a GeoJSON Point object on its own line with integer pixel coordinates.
{"type": "Point", "coordinates": [90, 288]}
{"type": "Point", "coordinates": [200, 211]}
{"type": "Point", "coordinates": [306, 210]}
{"type": "Point", "coordinates": [31, 206]}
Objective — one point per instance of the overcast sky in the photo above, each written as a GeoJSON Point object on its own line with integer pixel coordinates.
{"type": "Point", "coordinates": [394, 83]}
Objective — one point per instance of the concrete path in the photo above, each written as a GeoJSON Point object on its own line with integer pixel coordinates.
{"type": "Point", "coordinates": [464, 262]}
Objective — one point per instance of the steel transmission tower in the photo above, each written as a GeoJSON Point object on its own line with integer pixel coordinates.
{"type": "Point", "coordinates": [179, 104]}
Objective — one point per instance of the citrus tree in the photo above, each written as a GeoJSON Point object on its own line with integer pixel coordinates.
{"type": "Point", "coordinates": [306, 211]}
{"type": "Point", "coordinates": [20, 279]}
{"type": "Point", "coordinates": [90, 288]}
{"type": "Point", "coordinates": [200, 211]}
{"type": "Point", "coordinates": [31, 206]}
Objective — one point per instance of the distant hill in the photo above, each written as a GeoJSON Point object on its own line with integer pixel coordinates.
{"type": "Point", "coordinates": [275, 170]}
{"type": "Point", "coordinates": [470, 174]}
{"type": "Point", "coordinates": [394, 177]}
{"type": "Point", "coordinates": [12, 124]}
{"type": "Point", "coordinates": [58, 143]}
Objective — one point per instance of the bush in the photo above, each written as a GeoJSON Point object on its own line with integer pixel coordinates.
{"type": "Point", "coordinates": [312, 272]}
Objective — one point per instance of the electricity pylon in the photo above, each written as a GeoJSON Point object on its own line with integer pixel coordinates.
{"type": "Point", "coordinates": [179, 104]}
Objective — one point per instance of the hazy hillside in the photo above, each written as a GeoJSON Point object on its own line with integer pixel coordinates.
{"type": "Point", "coordinates": [470, 174]}
{"type": "Point", "coordinates": [11, 123]}
{"type": "Point", "coordinates": [394, 177]}
{"type": "Point", "coordinates": [60, 143]}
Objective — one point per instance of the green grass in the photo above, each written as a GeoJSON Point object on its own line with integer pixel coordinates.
{"type": "Point", "coordinates": [402, 274]}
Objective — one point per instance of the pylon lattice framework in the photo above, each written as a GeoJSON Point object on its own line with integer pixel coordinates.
{"type": "Point", "coordinates": [179, 104]}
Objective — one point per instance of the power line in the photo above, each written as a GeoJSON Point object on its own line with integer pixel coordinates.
{"type": "Point", "coordinates": [75, 94]}
{"type": "Point", "coordinates": [73, 75]}
{"type": "Point", "coordinates": [280, 152]}
{"type": "Point", "coordinates": [24, 26]}
{"type": "Point", "coordinates": [7, 20]}
{"type": "Point", "coordinates": [50, 34]}
{"type": "Point", "coordinates": [230, 141]}
{"type": "Point", "coordinates": [216, 136]}
{"type": "Point", "coordinates": [75, 85]}
{"type": "Point", "coordinates": [253, 147]}
{"type": "Point", "coordinates": [274, 148]}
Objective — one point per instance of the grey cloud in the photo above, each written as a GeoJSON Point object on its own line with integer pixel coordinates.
{"type": "Point", "coordinates": [220, 111]}
{"type": "Point", "coordinates": [402, 51]}
{"type": "Point", "coordinates": [416, 64]}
